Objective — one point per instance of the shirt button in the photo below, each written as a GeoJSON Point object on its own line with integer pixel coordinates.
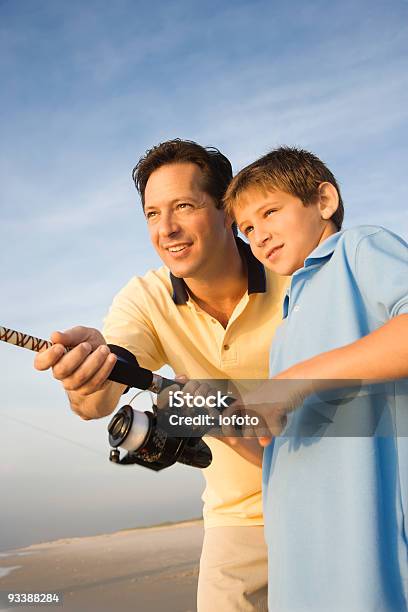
{"type": "Point", "coordinates": [226, 347]}
{"type": "Point", "coordinates": [296, 308]}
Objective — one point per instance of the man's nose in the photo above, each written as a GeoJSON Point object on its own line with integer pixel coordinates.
{"type": "Point", "coordinates": [168, 225]}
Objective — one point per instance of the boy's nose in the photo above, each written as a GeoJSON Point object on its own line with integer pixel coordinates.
{"type": "Point", "coordinates": [262, 237]}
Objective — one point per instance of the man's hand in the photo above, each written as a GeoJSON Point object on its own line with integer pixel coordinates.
{"type": "Point", "coordinates": [193, 387]}
{"type": "Point", "coordinates": [83, 370]}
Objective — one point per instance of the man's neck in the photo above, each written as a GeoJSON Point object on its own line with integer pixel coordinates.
{"type": "Point", "coordinates": [220, 291]}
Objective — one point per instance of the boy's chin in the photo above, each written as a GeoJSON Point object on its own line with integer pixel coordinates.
{"type": "Point", "coordinates": [282, 269]}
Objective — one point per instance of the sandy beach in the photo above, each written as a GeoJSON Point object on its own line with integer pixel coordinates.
{"type": "Point", "coordinates": [149, 570]}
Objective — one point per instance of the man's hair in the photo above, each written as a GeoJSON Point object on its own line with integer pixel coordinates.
{"type": "Point", "coordinates": [216, 168]}
{"type": "Point", "coordinates": [288, 169]}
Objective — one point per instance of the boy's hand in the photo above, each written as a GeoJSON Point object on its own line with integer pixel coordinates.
{"type": "Point", "coordinates": [267, 407]}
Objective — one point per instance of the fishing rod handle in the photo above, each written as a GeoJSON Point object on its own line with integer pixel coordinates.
{"type": "Point", "coordinates": [24, 340]}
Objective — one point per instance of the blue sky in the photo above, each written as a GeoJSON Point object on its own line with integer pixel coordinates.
{"type": "Point", "coordinates": [86, 88]}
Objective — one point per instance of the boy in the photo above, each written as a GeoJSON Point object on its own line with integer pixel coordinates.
{"type": "Point", "coordinates": [336, 508]}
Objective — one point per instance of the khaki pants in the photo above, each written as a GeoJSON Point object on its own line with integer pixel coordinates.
{"type": "Point", "coordinates": [233, 570]}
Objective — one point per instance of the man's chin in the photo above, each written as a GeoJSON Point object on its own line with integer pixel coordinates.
{"type": "Point", "coordinates": [181, 271]}
{"type": "Point", "coordinates": [188, 267]}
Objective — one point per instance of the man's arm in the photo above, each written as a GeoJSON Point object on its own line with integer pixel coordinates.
{"type": "Point", "coordinates": [248, 448]}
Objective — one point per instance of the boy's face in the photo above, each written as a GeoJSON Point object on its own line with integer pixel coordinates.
{"type": "Point", "coordinates": [281, 230]}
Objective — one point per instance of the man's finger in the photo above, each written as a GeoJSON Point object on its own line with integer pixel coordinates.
{"type": "Point", "coordinates": [181, 378]}
{"type": "Point", "coordinates": [191, 387]}
{"type": "Point", "coordinates": [77, 335]}
{"type": "Point", "coordinates": [49, 358]}
{"type": "Point", "coordinates": [163, 397]}
{"type": "Point", "coordinates": [71, 361]}
{"type": "Point", "coordinates": [228, 428]}
{"type": "Point", "coordinates": [97, 381]}
{"type": "Point", "coordinates": [89, 365]}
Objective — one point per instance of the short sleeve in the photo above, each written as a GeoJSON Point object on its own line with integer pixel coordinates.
{"type": "Point", "coordinates": [381, 266]}
{"type": "Point", "coordinates": [128, 324]}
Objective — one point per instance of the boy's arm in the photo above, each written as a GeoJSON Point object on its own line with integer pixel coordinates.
{"type": "Point", "coordinates": [381, 355]}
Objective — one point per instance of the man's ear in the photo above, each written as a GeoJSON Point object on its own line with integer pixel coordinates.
{"type": "Point", "coordinates": [328, 200]}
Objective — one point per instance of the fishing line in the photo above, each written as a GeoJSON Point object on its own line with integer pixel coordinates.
{"type": "Point", "coordinates": [52, 434]}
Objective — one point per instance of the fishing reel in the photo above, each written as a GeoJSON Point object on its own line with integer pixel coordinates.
{"type": "Point", "coordinates": [144, 435]}
{"type": "Point", "coordinates": [149, 444]}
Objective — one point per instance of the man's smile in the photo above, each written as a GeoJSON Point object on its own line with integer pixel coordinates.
{"type": "Point", "coordinates": [177, 249]}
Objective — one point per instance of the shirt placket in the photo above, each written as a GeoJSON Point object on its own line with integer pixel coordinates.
{"type": "Point", "coordinates": [227, 348]}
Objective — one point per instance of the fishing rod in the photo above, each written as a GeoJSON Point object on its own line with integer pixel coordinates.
{"type": "Point", "coordinates": [145, 436]}
{"type": "Point", "coordinates": [126, 370]}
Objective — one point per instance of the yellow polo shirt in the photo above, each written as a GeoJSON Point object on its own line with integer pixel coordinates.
{"type": "Point", "coordinates": [154, 317]}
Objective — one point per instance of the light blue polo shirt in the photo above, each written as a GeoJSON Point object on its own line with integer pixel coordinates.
{"type": "Point", "coordinates": [336, 508]}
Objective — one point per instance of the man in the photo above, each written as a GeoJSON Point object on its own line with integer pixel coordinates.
{"type": "Point", "coordinates": [209, 313]}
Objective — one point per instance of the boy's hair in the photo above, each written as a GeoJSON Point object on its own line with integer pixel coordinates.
{"type": "Point", "coordinates": [289, 169]}
{"type": "Point", "coordinates": [216, 168]}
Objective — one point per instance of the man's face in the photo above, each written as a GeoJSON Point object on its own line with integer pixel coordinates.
{"type": "Point", "coordinates": [282, 231]}
{"type": "Point", "coordinates": [186, 229]}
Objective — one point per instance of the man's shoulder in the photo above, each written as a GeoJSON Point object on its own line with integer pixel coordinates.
{"type": "Point", "coordinates": [152, 285]}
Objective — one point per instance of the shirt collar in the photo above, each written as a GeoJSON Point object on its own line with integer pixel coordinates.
{"type": "Point", "coordinates": [317, 257]}
{"type": "Point", "coordinates": [256, 275]}
{"type": "Point", "coordinates": [323, 250]}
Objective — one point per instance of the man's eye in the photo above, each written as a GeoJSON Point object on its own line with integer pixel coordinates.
{"type": "Point", "coordinates": [151, 214]}
{"type": "Point", "coordinates": [184, 205]}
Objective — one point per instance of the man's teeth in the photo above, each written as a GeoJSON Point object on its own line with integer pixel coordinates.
{"type": "Point", "coordinates": [177, 249]}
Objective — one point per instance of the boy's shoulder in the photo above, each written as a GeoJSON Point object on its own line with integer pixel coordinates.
{"type": "Point", "coordinates": [378, 260]}
{"type": "Point", "coordinates": [374, 255]}
{"type": "Point", "coordinates": [354, 234]}
{"type": "Point", "coordinates": [357, 240]}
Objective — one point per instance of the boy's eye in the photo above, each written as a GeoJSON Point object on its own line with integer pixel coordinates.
{"type": "Point", "coordinates": [269, 212]}
{"type": "Point", "coordinates": [247, 230]}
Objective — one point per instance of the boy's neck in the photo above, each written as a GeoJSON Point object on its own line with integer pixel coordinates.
{"type": "Point", "coordinates": [328, 231]}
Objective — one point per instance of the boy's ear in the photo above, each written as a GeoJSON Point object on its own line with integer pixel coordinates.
{"type": "Point", "coordinates": [328, 200]}
{"type": "Point", "coordinates": [228, 220]}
